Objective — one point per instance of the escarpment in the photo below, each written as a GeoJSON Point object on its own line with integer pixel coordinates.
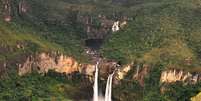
{"type": "Point", "coordinates": [44, 62]}
{"type": "Point", "coordinates": [173, 75]}
{"type": "Point", "coordinates": [166, 76]}
{"type": "Point", "coordinates": [137, 73]}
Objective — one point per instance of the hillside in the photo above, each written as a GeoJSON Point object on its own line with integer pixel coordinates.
{"type": "Point", "coordinates": [27, 34]}
{"type": "Point", "coordinates": [156, 54]}
{"type": "Point", "coordinates": [162, 32]}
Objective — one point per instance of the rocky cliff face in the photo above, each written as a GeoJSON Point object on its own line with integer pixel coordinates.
{"type": "Point", "coordinates": [141, 73]}
{"type": "Point", "coordinates": [171, 76]}
{"type": "Point", "coordinates": [99, 27]}
{"type": "Point", "coordinates": [167, 76]}
{"type": "Point", "coordinates": [44, 62]}
{"type": "Point", "coordinates": [123, 72]}
{"type": "Point", "coordinates": [138, 74]}
{"type": "Point", "coordinates": [62, 64]}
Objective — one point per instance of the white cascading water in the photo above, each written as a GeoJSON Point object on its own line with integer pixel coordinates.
{"type": "Point", "coordinates": [95, 96]}
{"type": "Point", "coordinates": [108, 90]}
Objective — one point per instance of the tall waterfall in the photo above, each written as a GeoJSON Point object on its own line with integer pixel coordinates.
{"type": "Point", "coordinates": [108, 89]}
{"type": "Point", "coordinates": [95, 96]}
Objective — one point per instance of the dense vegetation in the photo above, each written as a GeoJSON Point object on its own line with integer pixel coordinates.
{"type": "Point", "coordinates": [51, 87]}
{"type": "Point", "coordinates": [35, 32]}
{"type": "Point", "coordinates": [153, 90]}
{"type": "Point", "coordinates": [163, 32]}
{"type": "Point", "coordinates": [36, 28]}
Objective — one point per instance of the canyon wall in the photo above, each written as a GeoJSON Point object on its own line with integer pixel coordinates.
{"type": "Point", "coordinates": [123, 72]}
{"type": "Point", "coordinates": [44, 62]}
{"type": "Point", "coordinates": [167, 76]}
{"type": "Point", "coordinates": [173, 75]}
{"type": "Point", "coordinates": [138, 73]}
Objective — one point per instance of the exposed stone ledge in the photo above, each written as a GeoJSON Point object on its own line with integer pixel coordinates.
{"type": "Point", "coordinates": [44, 62]}
{"type": "Point", "coordinates": [167, 76]}
{"type": "Point", "coordinates": [173, 75]}
{"type": "Point", "coordinates": [123, 72]}
{"type": "Point", "coordinates": [138, 74]}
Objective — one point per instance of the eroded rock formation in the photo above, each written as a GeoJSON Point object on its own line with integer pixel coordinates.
{"type": "Point", "coordinates": [99, 27]}
{"type": "Point", "coordinates": [167, 76]}
{"type": "Point", "coordinates": [173, 75]}
{"type": "Point", "coordinates": [139, 73]}
{"type": "Point", "coordinates": [44, 62]}
{"type": "Point", "coordinates": [107, 67]}
{"type": "Point", "coordinates": [123, 72]}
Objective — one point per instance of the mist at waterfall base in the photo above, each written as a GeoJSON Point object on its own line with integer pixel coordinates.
{"type": "Point", "coordinates": [108, 89]}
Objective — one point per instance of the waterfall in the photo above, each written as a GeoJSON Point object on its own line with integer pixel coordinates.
{"type": "Point", "coordinates": [108, 90]}
{"type": "Point", "coordinates": [95, 96]}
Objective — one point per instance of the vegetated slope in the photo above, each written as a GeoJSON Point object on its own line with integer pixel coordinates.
{"type": "Point", "coordinates": [164, 32]}
{"type": "Point", "coordinates": [43, 28]}
{"type": "Point", "coordinates": [35, 87]}
{"type": "Point", "coordinates": [52, 23]}
{"type": "Point", "coordinates": [46, 26]}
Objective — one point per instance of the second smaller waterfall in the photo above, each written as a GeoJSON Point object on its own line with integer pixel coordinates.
{"type": "Point", "coordinates": [108, 89]}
